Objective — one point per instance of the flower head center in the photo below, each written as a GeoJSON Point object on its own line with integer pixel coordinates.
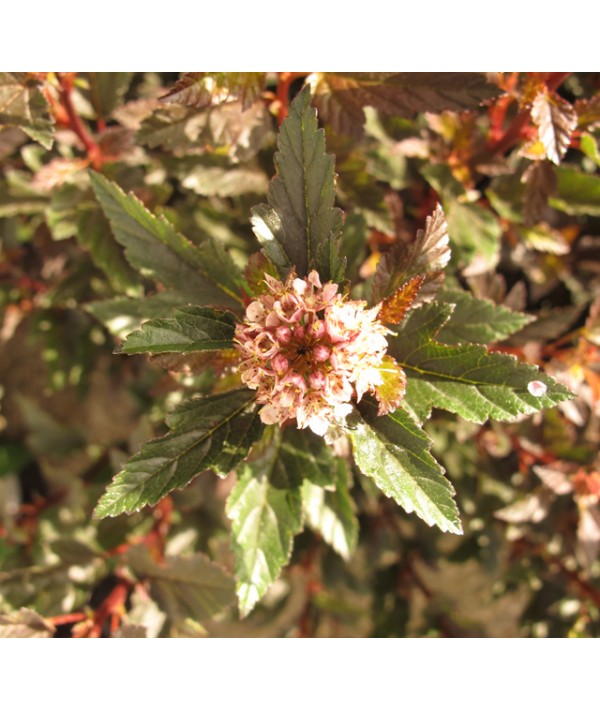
{"type": "Point", "coordinates": [308, 351]}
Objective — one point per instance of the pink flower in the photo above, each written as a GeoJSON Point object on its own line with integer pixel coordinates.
{"type": "Point", "coordinates": [308, 351]}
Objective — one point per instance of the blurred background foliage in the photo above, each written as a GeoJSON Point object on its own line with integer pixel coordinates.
{"type": "Point", "coordinates": [513, 158]}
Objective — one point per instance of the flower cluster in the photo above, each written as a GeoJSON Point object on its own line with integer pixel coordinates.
{"type": "Point", "coordinates": [308, 351]}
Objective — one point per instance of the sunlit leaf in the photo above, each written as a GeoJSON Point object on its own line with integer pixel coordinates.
{"type": "Point", "coordinates": [25, 623]}
{"type": "Point", "coordinates": [214, 432]}
{"type": "Point", "coordinates": [264, 519]}
{"type": "Point", "coordinates": [425, 257]}
{"type": "Point", "coordinates": [465, 379]}
{"type": "Point", "coordinates": [300, 226]}
{"type": "Point", "coordinates": [556, 120]}
{"type": "Point", "coordinates": [193, 328]}
{"type": "Point", "coordinates": [394, 452]}
{"type": "Point", "coordinates": [203, 89]}
{"type": "Point", "coordinates": [395, 306]}
{"type": "Point", "coordinates": [23, 105]}
{"type": "Point", "coordinates": [391, 391]}
{"type": "Point", "coordinates": [478, 320]}
{"type": "Point", "coordinates": [577, 193]}
{"type": "Point", "coordinates": [204, 274]}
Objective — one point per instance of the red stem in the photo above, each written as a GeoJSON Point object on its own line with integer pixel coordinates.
{"type": "Point", "coordinates": [66, 619]}
{"type": "Point", "coordinates": [513, 133]}
{"type": "Point", "coordinates": [75, 123]}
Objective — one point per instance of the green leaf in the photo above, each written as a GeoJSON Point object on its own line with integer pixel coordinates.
{"type": "Point", "coordinates": [13, 456]}
{"type": "Point", "coordinates": [122, 315]}
{"type": "Point", "coordinates": [213, 432]}
{"type": "Point", "coordinates": [186, 588]}
{"type": "Point", "coordinates": [23, 105]}
{"type": "Point", "coordinates": [589, 147]}
{"type": "Point", "coordinates": [577, 193]}
{"type": "Point", "coordinates": [332, 513]}
{"type": "Point", "coordinates": [353, 244]}
{"type": "Point", "coordinates": [465, 379]}
{"type": "Point", "coordinates": [394, 452]}
{"type": "Point", "coordinates": [300, 226]}
{"type": "Point", "coordinates": [264, 520]}
{"type": "Point", "coordinates": [193, 328]}
{"type": "Point", "coordinates": [107, 90]}
{"type": "Point", "coordinates": [204, 274]}
{"type": "Point", "coordinates": [341, 97]}
{"type": "Point", "coordinates": [93, 233]}
{"type": "Point", "coordinates": [475, 236]}
{"type": "Point", "coordinates": [478, 320]}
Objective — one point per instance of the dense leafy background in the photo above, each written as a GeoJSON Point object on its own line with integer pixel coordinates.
{"type": "Point", "coordinates": [514, 163]}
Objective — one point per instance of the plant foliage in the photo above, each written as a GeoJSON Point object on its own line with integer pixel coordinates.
{"type": "Point", "coordinates": [169, 245]}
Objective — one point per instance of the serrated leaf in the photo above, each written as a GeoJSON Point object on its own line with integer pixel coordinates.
{"type": "Point", "coordinates": [556, 120]}
{"type": "Point", "coordinates": [395, 306]}
{"type": "Point", "coordinates": [332, 513]}
{"type": "Point", "coordinates": [25, 623]}
{"type": "Point", "coordinates": [341, 97]}
{"type": "Point", "coordinates": [264, 520]}
{"type": "Point", "coordinates": [107, 90]}
{"type": "Point", "coordinates": [185, 587]}
{"type": "Point", "coordinates": [300, 226]}
{"type": "Point", "coordinates": [122, 315]}
{"type": "Point", "coordinates": [213, 432]}
{"type": "Point", "coordinates": [577, 193]}
{"type": "Point", "coordinates": [465, 379]}
{"type": "Point", "coordinates": [23, 105]}
{"type": "Point", "coordinates": [394, 452]}
{"type": "Point", "coordinates": [425, 257]}
{"type": "Point", "coordinates": [203, 89]}
{"type": "Point", "coordinates": [204, 274]}
{"type": "Point", "coordinates": [93, 233]}
{"type": "Point", "coordinates": [392, 389]}
{"type": "Point", "coordinates": [193, 328]}
{"type": "Point", "coordinates": [478, 320]}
